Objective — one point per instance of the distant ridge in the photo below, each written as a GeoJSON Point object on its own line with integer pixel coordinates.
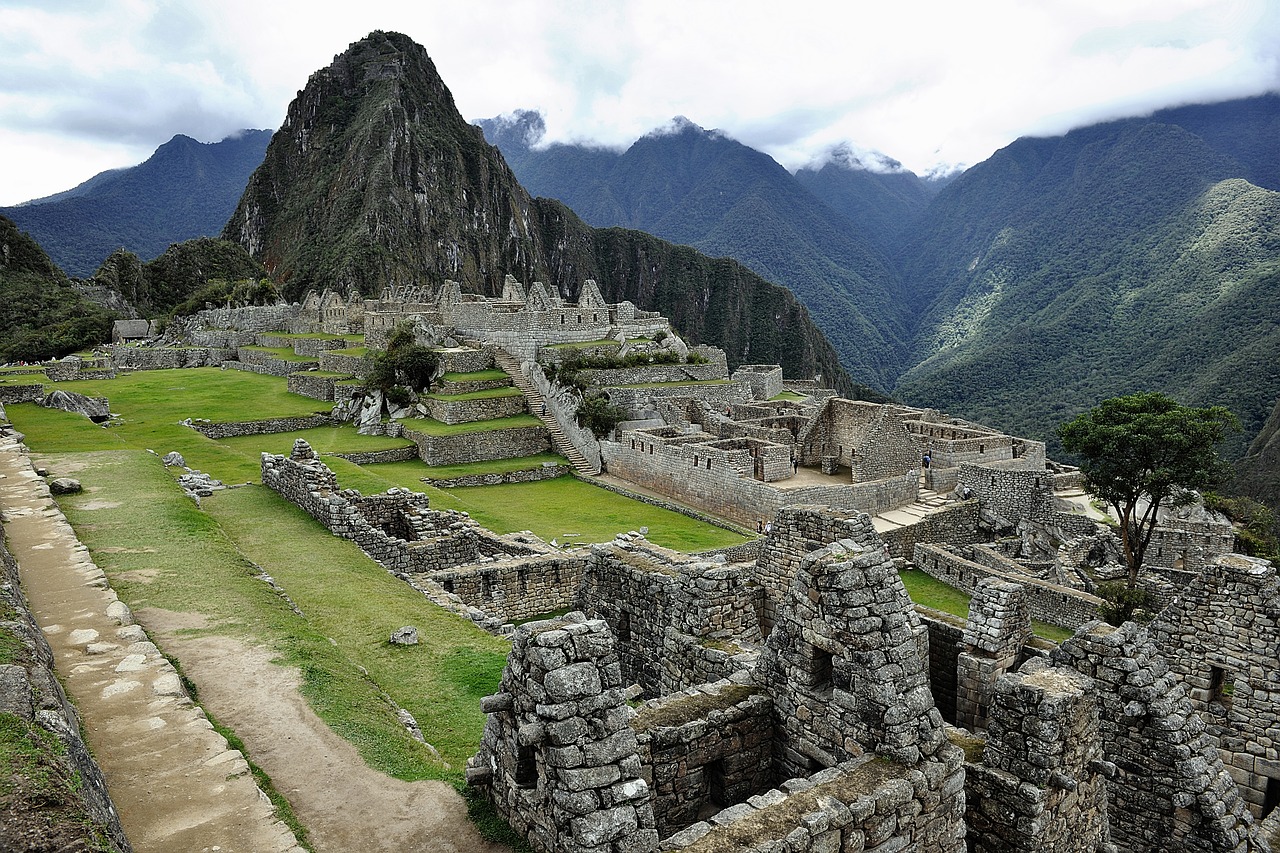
{"type": "Point", "coordinates": [186, 189]}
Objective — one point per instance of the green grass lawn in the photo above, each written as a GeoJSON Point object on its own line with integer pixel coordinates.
{"type": "Point", "coordinates": [931, 592]}
{"type": "Point", "coordinates": [567, 507]}
{"type": "Point", "coordinates": [161, 551]}
{"type": "Point", "coordinates": [324, 440]}
{"type": "Point", "coordinates": [151, 404]}
{"type": "Point", "coordinates": [787, 395]}
{"type": "Point", "coordinates": [357, 352]}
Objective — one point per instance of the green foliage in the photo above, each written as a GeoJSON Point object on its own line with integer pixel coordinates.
{"type": "Point", "coordinates": [399, 395]}
{"type": "Point", "coordinates": [404, 362]}
{"type": "Point", "coordinates": [41, 314]}
{"type": "Point", "coordinates": [1142, 451]}
{"type": "Point", "coordinates": [597, 414]}
{"type": "Point", "coordinates": [1122, 602]}
{"type": "Point", "coordinates": [233, 294]}
{"type": "Point", "coordinates": [1256, 529]}
{"type": "Point", "coordinates": [185, 276]}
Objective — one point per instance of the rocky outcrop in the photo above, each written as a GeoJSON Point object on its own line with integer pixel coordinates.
{"type": "Point", "coordinates": [96, 409]}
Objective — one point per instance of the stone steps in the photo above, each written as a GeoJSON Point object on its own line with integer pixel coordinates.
{"type": "Point", "coordinates": [537, 405]}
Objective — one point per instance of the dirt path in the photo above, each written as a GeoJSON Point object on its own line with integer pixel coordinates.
{"type": "Point", "coordinates": [345, 805]}
{"type": "Point", "coordinates": [176, 785]}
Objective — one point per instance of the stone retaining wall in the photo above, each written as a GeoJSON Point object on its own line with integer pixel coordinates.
{"type": "Point", "coordinates": [127, 357]}
{"type": "Point", "coordinates": [263, 427]}
{"type": "Point", "coordinates": [479, 446]}
{"type": "Point", "coordinates": [524, 475]}
{"type": "Point", "coordinates": [956, 524]}
{"type": "Point", "coordinates": [635, 600]}
{"type": "Point", "coordinates": [30, 691]}
{"type": "Point", "coordinates": [272, 364]}
{"type": "Point", "coordinates": [21, 393]}
{"type": "Point", "coordinates": [470, 411]}
{"type": "Point", "coordinates": [1057, 605]}
{"type": "Point", "coordinates": [945, 642]}
{"type": "Point", "coordinates": [336, 363]}
{"type": "Point", "coordinates": [635, 400]}
{"type": "Point", "coordinates": [309, 385]}
{"type": "Point", "coordinates": [376, 457]}
{"type": "Point", "coordinates": [469, 386]}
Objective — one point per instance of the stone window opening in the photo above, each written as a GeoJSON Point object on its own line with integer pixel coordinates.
{"type": "Point", "coordinates": [526, 767]}
{"type": "Point", "coordinates": [695, 461]}
{"type": "Point", "coordinates": [448, 584]}
{"type": "Point", "coordinates": [982, 448]}
{"type": "Point", "coordinates": [1221, 687]}
{"type": "Point", "coordinates": [522, 579]}
{"type": "Point", "coordinates": [822, 671]}
{"type": "Point", "coordinates": [708, 463]}
{"type": "Point", "coordinates": [624, 626]}
{"type": "Point", "coordinates": [1271, 797]}
{"type": "Point", "coordinates": [486, 585]}
{"type": "Point", "coordinates": [713, 776]}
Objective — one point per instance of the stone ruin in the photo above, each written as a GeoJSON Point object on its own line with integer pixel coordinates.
{"type": "Point", "coordinates": [821, 732]}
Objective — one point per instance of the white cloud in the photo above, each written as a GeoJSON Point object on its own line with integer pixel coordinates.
{"type": "Point", "coordinates": [923, 81]}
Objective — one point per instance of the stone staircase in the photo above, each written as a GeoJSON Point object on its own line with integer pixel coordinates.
{"type": "Point", "coordinates": [537, 405]}
{"type": "Point", "coordinates": [926, 503]}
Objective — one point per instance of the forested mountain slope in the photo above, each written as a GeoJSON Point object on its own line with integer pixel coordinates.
{"type": "Point", "coordinates": [703, 189]}
{"type": "Point", "coordinates": [1123, 256]}
{"type": "Point", "coordinates": [186, 189]}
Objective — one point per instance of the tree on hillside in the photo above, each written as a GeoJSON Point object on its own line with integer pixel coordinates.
{"type": "Point", "coordinates": [1144, 451]}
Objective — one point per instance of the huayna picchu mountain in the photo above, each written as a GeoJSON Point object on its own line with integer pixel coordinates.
{"type": "Point", "coordinates": [376, 179]}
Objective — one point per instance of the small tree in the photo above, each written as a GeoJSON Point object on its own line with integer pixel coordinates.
{"type": "Point", "coordinates": [1143, 451]}
{"type": "Point", "coordinates": [597, 414]}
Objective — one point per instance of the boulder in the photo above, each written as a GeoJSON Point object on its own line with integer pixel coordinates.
{"type": "Point", "coordinates": [96, 409]}
{"type": "Point", "coordinates": [174, 459]}
{"type": "Point", "coordinates": [406, 636]}
{"type": "Point", "coordinates": [369, 417]}
{"type": "Point", "coordinates": [65, 486]}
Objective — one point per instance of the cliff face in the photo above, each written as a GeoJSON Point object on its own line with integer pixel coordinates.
{"type": "Point", "coordinates": [375, 178]}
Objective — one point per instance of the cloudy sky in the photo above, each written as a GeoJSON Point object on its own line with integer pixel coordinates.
{"type": "Point", "coordinates": [88, 85]}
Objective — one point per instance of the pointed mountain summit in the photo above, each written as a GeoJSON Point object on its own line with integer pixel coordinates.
{"type": "Point", "coordinates": [375, 178]}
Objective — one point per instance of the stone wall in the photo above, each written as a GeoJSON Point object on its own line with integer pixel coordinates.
{"type": "Point", "coordinates": [794, 534]}
{"type": "Point", "coordinates": [845, 665]}
{"type": "Point", "coordinates": [308, 384]}
{"type": "Point", "coordinates": [127, 357]}
{"type": "Point", "coordinates": [376, 457]}
{"type": "Point", "coordinates": [562, 405]}
{"type": "Point", "coordinates": [517, 589]}
{"type": "Point", "coordinates": [30, 691]}
{"type": "Point", "coordinates": [636, 400]}
{"type": "Point", "coordinates": [999, 624]}
{"type": "Point", "coordinates": [272, 364]}
{"type": "Point", "coordinates": [866, 804]}
{"type": "Point", "coordinates": [1039, 787]}
{"type": "Point", "coordinates": [1048, 602]}
{"type": "Point", "coordinates": [765, 379]}
{"type": "Point", "coordinates": [339, 363]}
{"type": "Point", "coordinates": [722, 480]}
{"type": "Point", "coordinates": [263, 427]}
{"type": "Point", "coordinates": [703, 750]}
{"type": "Point", "coordinates": [558, 759]}
{"type": "Point", "coordinates": [397, 529]}
{"type": "Point", "coordinates": [1011, 495]}
{"type": "Point", "coordinates": [478, 446]}
{"type": "Point", "coordinates": [256, 318]}
{"type": "Point", "coordinates": [457, 411]}
{"type": "Point", "coordinates": [945, 633]}
{"type": "Point", "coordinates": [1167, 788]}
{"type": "Point", "coordinates": [1221, 636]}
{"type": "Point", "coordinates": [545, 471]}
{"type": "Point", "coordinates": [21, 393]}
